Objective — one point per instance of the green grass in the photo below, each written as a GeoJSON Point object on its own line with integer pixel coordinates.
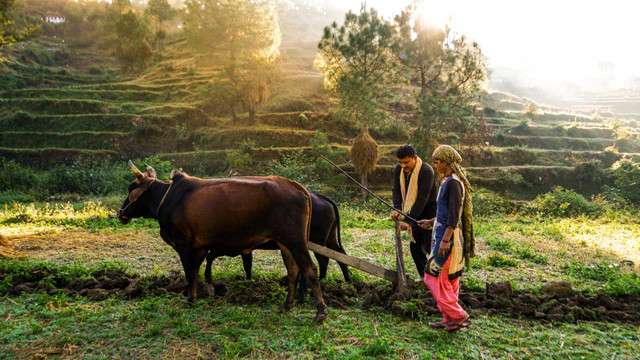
{"type": "Point", "coordinates": [159, 327]}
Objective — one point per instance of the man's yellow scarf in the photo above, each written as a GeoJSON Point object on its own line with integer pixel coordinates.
{"type": "Point", "coordinates": [410, 195]}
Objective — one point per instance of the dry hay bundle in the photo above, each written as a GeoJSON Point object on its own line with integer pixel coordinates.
{"type": "Point", "coordinates": [364, 152]}
{"type": "Point", "coordinates": [6, 249]}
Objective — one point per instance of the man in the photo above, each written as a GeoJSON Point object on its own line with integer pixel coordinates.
{"type": "Point", "coordinates": [415, 192]}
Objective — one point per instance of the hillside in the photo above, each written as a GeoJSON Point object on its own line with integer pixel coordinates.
{"type": "Point", "coordinates": [61, 111]}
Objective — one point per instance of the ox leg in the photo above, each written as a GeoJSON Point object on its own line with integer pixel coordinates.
{"type": "Point", "coordinates": [332, 243]}
{"type": "Point", "coordinates": [303, 259]}
{"type": "Point", "coordinates": [207, 271]}
{"type": "Point", "coordinates": [292, 277]}
{"type": "Point", "coordinates": [247, 263]}
{"type": "Point", "coordinates": [191, 262]}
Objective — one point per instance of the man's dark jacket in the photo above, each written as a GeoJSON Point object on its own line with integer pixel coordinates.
{"type": "Point", "coordinates": [425, 205]}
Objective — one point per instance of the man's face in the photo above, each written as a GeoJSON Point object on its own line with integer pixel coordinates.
{"type": "Point", "coordinates": [408, 163]}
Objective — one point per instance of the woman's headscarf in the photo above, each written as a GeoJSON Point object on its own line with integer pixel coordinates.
{"type": "Point", "coordinates": [453, 158]}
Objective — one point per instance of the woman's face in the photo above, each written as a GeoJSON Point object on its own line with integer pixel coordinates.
{"type": "Point", "coordinates": [440, 165]}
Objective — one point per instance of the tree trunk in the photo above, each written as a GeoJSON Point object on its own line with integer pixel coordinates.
{"type": "Point", "coordinates": [234, 117]}
{"type": "Point", "coordinates": [252, 116]}
{"type": "Point", "coordinates": [364, 182]}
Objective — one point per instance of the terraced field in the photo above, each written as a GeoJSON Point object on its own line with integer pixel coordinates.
{"type": "Point", "coordinates": [61, 115]}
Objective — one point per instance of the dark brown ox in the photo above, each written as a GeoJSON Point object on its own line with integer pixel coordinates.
{"type": "Point", "coordinates": [228, 216]}
{"type": "Point", "coordinates": [325, 231]}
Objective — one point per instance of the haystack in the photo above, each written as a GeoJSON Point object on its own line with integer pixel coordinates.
{"type": "Point", "coordinates": [364, 155]}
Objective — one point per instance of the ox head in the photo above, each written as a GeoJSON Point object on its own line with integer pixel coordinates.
{"type": "Point", "coordinates": [137, 203]}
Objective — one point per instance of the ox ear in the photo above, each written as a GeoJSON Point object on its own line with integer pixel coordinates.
{"type": "Point", "coordinates": [151, 170]}
{"type": "Point", "coordinates": [139, 175]}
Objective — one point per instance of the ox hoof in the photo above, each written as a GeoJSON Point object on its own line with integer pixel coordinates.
{"type": "Point", "coordinates": [320, 316]}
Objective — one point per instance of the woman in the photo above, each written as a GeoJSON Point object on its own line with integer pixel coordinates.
{"type": "Point", "coordinates": [452, 241]}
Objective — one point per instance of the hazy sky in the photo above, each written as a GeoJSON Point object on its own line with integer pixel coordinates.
{"type": "Point", "coordinates": [553, 42]}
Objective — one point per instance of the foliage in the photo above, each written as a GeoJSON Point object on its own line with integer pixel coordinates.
{"type": "Point", "coordinates": [243, 38]}
{"type": "Point", "coordinates": [99, 177]}
{"type": "Point", "coordinates": [16, 177]}
{"type": "Point", "coordinates": [591, 171]}
{"type": "Point", "coordinates": [488, 204]}
{"type": "Point", "coordinates": [295, 166]}
{"type": "Point", "coordinates": [160, 11]}
{"type": "Point", "coordinates": [132, 50]}
{"type": "Point", "coordinates": [501, 261]}
{"type": "Point", "coordinates": [449, 70]}
{"type": "Point", "coordinates": [12, 31]}
{"type": "Point", "coordinates": [563, 203]}
{"type": "Point", "coordinates": [320, 146]}
{"type": "Point", "coordinates": [626, 178]}
{"type": "Point", "coordinates": [240, 159]}
{"type": "Point", "coordinates": [358, 65]}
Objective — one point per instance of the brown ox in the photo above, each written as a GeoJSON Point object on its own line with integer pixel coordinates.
{"type": "Point", "coordinates": [227, 216]}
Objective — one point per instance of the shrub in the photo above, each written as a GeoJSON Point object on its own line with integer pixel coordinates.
{"type": "Point", "coordinates": [503, 245]}
{"type": "Point", "coordinates": [95, 70]}
{"type": "Point", "coordinates": [238, 159]}
{"type": "Point", "coordinates": [486, 203]}
{"type": "Point", "coordinates": [16, 177]}
{"type": "Point", "coordinates": [563, 203]}
{"type": "Point", "coordinates": [294, 166]}
{"type": "Point", "coordinates": [523, 128]}
{"type": "Point", "coordinates": [100, 177]}
{"type": "Point", "coordinates": [591, 171]}
{"type": "Point", "coordinates": [501, 261]}
{"type": "Point", "coordinates": [626, 179]}
{"type": "Point", "coordinates": [302, 119]}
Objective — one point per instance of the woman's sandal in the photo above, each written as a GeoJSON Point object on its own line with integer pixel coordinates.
{"type": "Point", "coordinates": [453, 327]}
{"type": "Point", "coordinates": [438, 325]}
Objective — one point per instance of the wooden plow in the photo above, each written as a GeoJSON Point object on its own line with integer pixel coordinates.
{"type": "Point", "coordinates": [397, 277]}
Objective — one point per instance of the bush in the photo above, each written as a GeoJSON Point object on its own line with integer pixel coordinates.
{"type": "Point", "coordinates": [626, 179]}
{"type": "Point", "coordinates": [16, 177]}
{"type": "Point", "coordinates": [486, 203]}
{"type": "Point", "coordinates": [100, 177]}
{"type": "Point", "coordinates": [523, 128]}
{"type": "Point", "coordinates": [302, 119]}
{"type": "Point", "coordinates": [295, 167]}
{"type": "Point", "coordinates": [591, 171]}
{"type": "Point", "coordinates": [95, 70]}
{"type": "Point", "coordinates": [563, 203]}
{"type": "Point", "coordinates": [501, 261]}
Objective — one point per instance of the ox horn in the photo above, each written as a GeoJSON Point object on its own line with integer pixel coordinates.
{"type": "Point", "coordinates": [139, 175]}
{"type": "Point", "coordinates": [151, 170]}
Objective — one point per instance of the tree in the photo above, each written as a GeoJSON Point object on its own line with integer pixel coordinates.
{"type": "Point", "coordinates": [448, 69]}
{"type": "Point", "coordinates": [160, 11]}
{"type": "Point", "coordinates": [133, 50]}
{"type": "Point", "coordinates": [358, 65]}
{"type": "Point", "coordinates": [359, 69]}
{"type": "Point", "coordinates": [242, 37]}
{"type": "Point", "coordinates": [10, 32]}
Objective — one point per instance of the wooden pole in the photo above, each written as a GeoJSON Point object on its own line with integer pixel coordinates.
{"type": "Point", "coordinates": [401, 282]}
{"type": "Point", "coordinates": [373, 269]}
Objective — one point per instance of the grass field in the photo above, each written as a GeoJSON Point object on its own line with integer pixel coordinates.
{"type": "Point", "coordinates": [76, 239]}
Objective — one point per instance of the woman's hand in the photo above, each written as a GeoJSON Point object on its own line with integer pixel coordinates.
{"type": "Point", "coordinates": [444, 247]}
{"type": "Point", "coordinates": [426, 224]}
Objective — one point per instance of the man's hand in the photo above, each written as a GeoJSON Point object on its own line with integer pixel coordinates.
{"type": "Point", "coordinates": [426, 224]}
{"type": "Point", "coordinates": [403, 226]}
{"type": "Point", "coordinates": [395, 216]}
{"type": "Point", "coordinates": [444, 247]}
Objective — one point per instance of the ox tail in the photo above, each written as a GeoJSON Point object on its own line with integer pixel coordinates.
{"type": "Point", "coordinates": [309, 208]}
{"type": "Point", "coordinates": [337, 213]}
